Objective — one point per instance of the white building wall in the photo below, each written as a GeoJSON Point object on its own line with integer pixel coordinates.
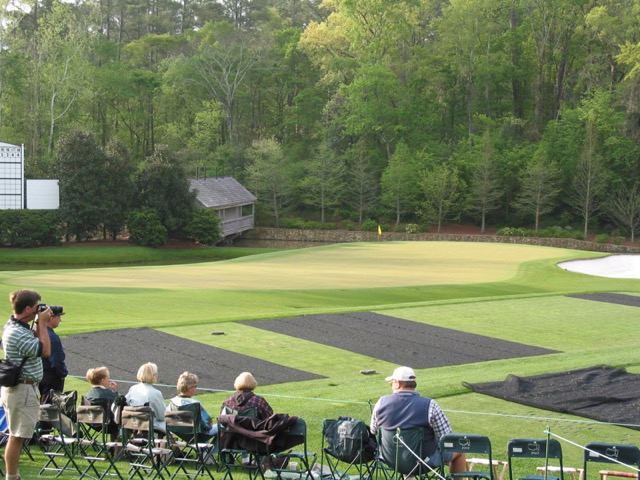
{"type": "Point", "coordinates": [43, 195]}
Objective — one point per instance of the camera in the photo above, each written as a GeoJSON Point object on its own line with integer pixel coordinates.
{"type": "Point", "coordinates": [55, 309]}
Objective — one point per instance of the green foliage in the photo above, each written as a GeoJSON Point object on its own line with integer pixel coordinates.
{"type": "Point", "coordinates": [314, 225]}
{"type": "Point", "coordinates": [539, 187]}
{"type": "Point", "coordinates": [119, 186]}
{"type": "Point", "coordinates": [442, 189]}
{"type": "Point", "coordinates": [323, 183]}
{"type": "Point", "coordinates": [553, 232]}
{"type": "Point", "coordinates": [348, 225]}
{"type": "Point", "coordinates": [29, 228]}
{"type": "Point", "coordinates": [270, 176]}
{"type": "Point", "coordinates": [369, 226]}
{"type": "Point", "coordinates": [412, 228]}
{"type": "Point", "coordinates": [162, 186]}
{"type": "Point", "coordinates": [602, 238]}
{"type": "Point", "coordinates": [146, 229]}
{"type": "Point", "coordinates": [511, 232]}
{"type": "Point", "coordinates": [84, 184]}
{"type": "Point", "coordinates": [288, 222]}
{"type": "Point", "coordinates": [400, 182]}
{"type": "Point", "coordinates": [204, 226]}
{"type": "Point", "coordinates": [556, 233]}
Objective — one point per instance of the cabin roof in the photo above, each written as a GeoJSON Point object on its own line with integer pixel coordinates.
{"type": "Point", "coordinates": [220, 192]}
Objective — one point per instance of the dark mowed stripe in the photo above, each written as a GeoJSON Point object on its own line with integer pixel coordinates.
{"type": "Point", "coordinates": [397, 341]}
{"type": "Point", "coordinates": [123, 351]}
{"type": "Point", "coordinates": [619, 298]}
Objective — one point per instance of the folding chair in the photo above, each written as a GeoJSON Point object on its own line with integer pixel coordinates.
{"type": "Point", "coordinates": [347, 448]}
{"type": "Point", "coordinates": [183, 435]}
{"type": "Point", "coordinates": [539, 449]}
{"type": "Point", "coordinates": [468, 443]}
{"type": "Point", "coordinates": [96, 443]}
{"type": "Point", "coordinates": [401, 452]}
{"type": "Point", "coordinates": [145, 454]}
{"type": "Point", "coordinates": [627, 457]}
{"type": "Point", "coordinates": [294, 464]}
{"type": "Point", "coordinates": [56, 445]}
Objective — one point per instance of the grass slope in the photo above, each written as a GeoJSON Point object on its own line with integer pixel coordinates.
{"type": "Point", "coordinates": [506, 291]}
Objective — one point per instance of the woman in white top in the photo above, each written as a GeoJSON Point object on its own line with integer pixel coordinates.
{"type": "Point", "coordinates": [145, 393]}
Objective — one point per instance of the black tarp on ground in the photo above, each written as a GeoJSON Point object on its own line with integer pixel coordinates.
{"type": "Point", "coordinates": [618, 298]}
{"type": "Point", "coordinates": [602, 393]}
{"type": "Point", "coordinates": [123, 351]}
{"type": "Point", "coordinates": [398, 341]}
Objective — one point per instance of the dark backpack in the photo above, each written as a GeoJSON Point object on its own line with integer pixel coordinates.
{"type": "Point", "coordinates": [348, 440]}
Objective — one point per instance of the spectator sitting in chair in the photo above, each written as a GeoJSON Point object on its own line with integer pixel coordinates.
{"type": "Point", "coordinates": [102, 385]}
{"type": "Point", "coordinates": [187, 385]}
{"type": "Point", "coordinates": [144, 393]}
{"type": "Point", "coordinates": [405, 408]}
{"type": "Point", "coordinates": [244, 398]}
{"type": "Point", "coordinates": [104, 389]}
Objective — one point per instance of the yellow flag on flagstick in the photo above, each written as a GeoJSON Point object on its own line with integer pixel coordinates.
{"type": "Point", "coordinates": [379, 230]}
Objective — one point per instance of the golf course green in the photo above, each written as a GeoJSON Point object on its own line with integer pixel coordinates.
{"type": "Point", "coordinates": [504, 291]}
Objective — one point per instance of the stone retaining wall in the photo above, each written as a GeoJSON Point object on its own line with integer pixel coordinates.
{"type": "Point", "coordinates": [343, 236]}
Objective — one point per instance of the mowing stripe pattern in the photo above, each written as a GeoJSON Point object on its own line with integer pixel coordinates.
{"type": "Point", "coordinates": [398, 341]}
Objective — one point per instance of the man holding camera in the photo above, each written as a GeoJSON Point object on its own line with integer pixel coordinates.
{"type": "Point", "coordinates": [20, 341]}
{"type": "Point", "coordinates": [55, 369]}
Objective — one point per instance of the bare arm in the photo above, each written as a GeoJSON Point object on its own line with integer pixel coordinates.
{"type": "Point", "coordinates": [42, 333]}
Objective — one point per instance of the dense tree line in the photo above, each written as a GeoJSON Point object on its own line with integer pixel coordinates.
{"type": "Point", "coordinates": [518, 112]}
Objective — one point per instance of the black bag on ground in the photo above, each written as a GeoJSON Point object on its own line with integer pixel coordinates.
{"type": "Point", "coordinates": [349, 440]}
{"type": "Point", "coordinates": [10, 372]}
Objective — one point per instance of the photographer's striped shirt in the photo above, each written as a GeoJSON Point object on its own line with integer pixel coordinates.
{"type": "Point", "coordinates": [18, 342]}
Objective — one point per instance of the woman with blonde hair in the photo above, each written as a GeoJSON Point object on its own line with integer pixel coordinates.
{"type": "Point", "coordinates": [145, 393]}
{"type": "Point", "coordinates": [186, 387]}
{"type": "Point", "coordinates": [244, 398]}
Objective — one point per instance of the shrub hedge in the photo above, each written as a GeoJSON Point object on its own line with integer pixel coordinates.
{"type": "Point", "coordinates": [30, 228]}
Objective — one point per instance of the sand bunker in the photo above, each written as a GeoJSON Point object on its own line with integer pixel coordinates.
{"type": "Point", "coordinates": [613, 266]}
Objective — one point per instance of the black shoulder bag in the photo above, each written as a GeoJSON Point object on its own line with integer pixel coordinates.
{"type": "Point", "coordinates": [10, 372]}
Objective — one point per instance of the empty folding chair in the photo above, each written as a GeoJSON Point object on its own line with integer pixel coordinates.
{"type": "Point", "coordinates": [192, 457]}
{"type": "Point", "coordinates": [58, 448]}
{"type": "Point", "coordinates": [542, 450]}
{"type": "Point", "coordinates": [467, 443]}
{"type": "Point", "coordinates": [625, 457]}
{"type": "Point", "coordinates": [147, 457]}
{"type": "Point", "coordinates": [402, 453]}
{"type": "Point", "coordinates": [347, 448]}
{"type": "Point", "coordinates": [96, 444]}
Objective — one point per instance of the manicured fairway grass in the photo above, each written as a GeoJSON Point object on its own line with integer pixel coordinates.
{"type": "Point", "coordinates": [511, 292]}
{"type": "Point", "coordinates": [361, 265]}
{"type": "Point", "coordinates": [317, 280]}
